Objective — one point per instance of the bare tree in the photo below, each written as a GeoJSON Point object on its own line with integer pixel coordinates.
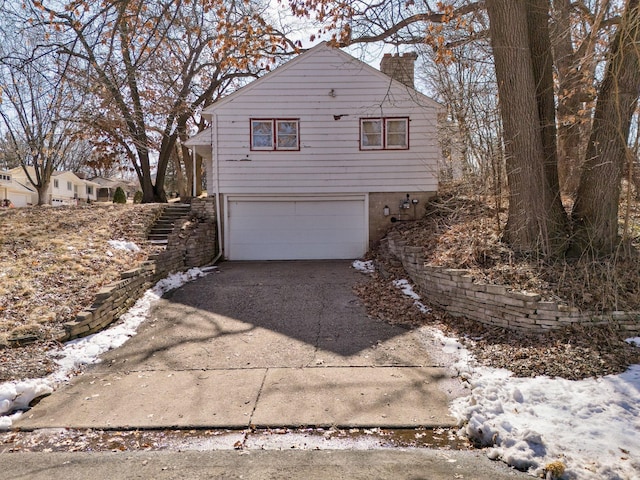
{"type": "Point", "coordinates": [579, 32]}
{"type": "Point", "coordinates": [149, 66]}
{"type": "Point", "coordinates": [38, 106]}
{"type": "Point", "coordinates": [596, 208]}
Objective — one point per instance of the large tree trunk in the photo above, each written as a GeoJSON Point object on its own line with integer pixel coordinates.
{"type": "Point", "coordinates": [537, 222]}
{"type": "Point", "coordinates": [42, 193]}
{"type": "Point", "coordinates": [569, 104]}
{"type": "Point", "coordinates": [542, 62]}
{"type": "Point", "coordinates": [595, 212]}
{"type": "Point", "coordinates": [576, 64]}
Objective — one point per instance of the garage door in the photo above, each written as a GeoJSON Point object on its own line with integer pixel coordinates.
{"type": "Point", "coordinates": [18, 199]}
{"type": "Point", "coordinates": [296, 228]}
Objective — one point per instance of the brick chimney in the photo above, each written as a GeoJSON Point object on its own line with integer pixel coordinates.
{"type": "Point", "coordinates": [400, 67]}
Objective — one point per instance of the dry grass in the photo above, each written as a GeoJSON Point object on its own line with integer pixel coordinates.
{"type": "Point", "coordinates": [54, 260]}
{"type": "Point", "coordinates": [462, 232]}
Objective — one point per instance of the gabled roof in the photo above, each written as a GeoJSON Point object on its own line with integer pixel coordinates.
{"type": "Point", "coordinates": [201, 138]}
{"type": "Point", "coordinates": [201, 142]}
{"type": "Point", "coordinates": [111, 182]}
{"type": "Point", "coordinates": [19, 172]}
{"type": "Point", "coordinates": [320, 48]}
{"type": "Point", "coordinates": [67, 174]}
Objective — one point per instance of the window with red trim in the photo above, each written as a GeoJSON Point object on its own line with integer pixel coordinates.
{"type": "Point", "coordinates": [275, 134]}
{"type": "Point", "coordinates": [384, 133]}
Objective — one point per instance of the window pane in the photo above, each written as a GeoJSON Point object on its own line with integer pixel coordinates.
{"type": "Point", "coordinates": [287, 134]}
{"type": "Point", "coordinates": [397, 133]}
{"type": "Point", "coordinates": [262, 134]}
{"type": "Point", "coordinates": [371, 133]}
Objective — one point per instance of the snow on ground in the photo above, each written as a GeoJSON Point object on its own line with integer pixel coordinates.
{"type": "Point", "coordinates": [592, 426]}
{"type": "Point", "coordinates": [124, 245]}
{"type": "Point", "coordinates": [16, 396]}
{"type": "Point", "coordinates": [407, 290]}
{"type": "Point", "coordinates": [364, 267]}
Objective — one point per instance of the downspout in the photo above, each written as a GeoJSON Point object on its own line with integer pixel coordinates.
{"type": "Point", "coordinates": [216, 185]}
{"type": "Point", "coordinates": [193, 161]}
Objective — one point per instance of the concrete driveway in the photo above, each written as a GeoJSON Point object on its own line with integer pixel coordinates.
{"type": "Point", "coordinates": [265, 344]}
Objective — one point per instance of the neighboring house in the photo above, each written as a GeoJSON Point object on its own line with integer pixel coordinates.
{"type": "Point", "coordinates": [107, 187]}
{"type": "Point", "coordinates": [317, 158]}
{"type": "Point", "coordinates": [19, 194]}
{"type": "Point", "coordinates": [65, 188]}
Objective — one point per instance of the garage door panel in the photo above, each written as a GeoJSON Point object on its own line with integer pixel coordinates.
{"type": "Point", "coordinates": [311, 251]}
{"type": "Point", "coordinates": [328, 208]}
{"type": "Point", "coordinates": [265, 208]}
{"type": "Point", "coordinates": [294, 229]}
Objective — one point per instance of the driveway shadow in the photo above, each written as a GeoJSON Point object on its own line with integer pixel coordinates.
{"type": "Point", "coordinates": [267, 314]}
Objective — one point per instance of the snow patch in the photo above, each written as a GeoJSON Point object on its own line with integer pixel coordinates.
{"type": "Point", "coordinates": [589, 425]}
{"type": "Point", "coordinates": [634, 341]}
{"type": "Point", "coordinates": [407, 290]}
{"type": "Point", "coordinates": [16, 396]}
{"type": "Point", "coordinates": [364, 266]}
{"type": "Point", "coordinates": [124, 245]}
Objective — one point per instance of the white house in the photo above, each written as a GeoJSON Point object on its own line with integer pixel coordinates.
{"type": "Point", "coordinates": [19, 194]}
{"type": "Point", "coordinates": [65, 188]}
{"type": "Point", "coordinates": [317, 158]}
{"type": "Point", "coordinates": [107, 187]}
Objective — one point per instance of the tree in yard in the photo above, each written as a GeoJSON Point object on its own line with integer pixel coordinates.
{"type": "Point", "coordinates": [119, 196]}
{"type": "Point", "coordinates": [37, 104]}
{"type": "Point", "coordinates": [149, 66]}
{"type": "Point", "coordinates": [522, 56]}
{"type": "Point", "coordinates": [595, 212]}
{"type": "Point", "coordinates": [579, 32]}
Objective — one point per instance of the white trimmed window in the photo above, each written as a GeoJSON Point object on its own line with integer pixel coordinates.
{"type": "Point", "coordinates": [69, 186]}
{"type": "Point", "coordinates": [384, 133]}
{"type": "Point", "coordinates": [89, 190]}
{"type": "Point", "coordinates": [56, 183]}
{"type": "Point", "coordinates": [275, 134]}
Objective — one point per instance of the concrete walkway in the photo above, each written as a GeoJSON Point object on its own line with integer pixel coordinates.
{"type": "Point", "coordinates": [264, 344]}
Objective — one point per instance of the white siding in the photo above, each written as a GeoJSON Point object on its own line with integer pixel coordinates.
{"type": "Point", "coordinates": [329, 160]}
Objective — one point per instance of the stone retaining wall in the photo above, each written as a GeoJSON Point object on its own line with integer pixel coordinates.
{"type": "Point", "coordinates": [456, 292]}
{"type": "Point", "coordinates": [191, 244]}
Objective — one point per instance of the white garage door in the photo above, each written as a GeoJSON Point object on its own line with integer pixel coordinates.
{"type": "Point", "coordinates": [296, 228]}
{"type": "Point", "coordinates": [18, 199]}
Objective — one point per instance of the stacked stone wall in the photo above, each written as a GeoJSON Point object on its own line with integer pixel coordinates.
{"type": "Point", "coordinates": [456, 292]}
{"type": "Point", "coordinates": [191, 244]}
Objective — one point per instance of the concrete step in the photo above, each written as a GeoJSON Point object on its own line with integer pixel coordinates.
{"type": "Point", "coordinates": [164, 224]}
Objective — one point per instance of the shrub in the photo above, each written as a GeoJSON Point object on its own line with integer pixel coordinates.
{"type": "Point", "coordinates": [137, 198]}
{"type": "Point", "coordinates": [119, 196]}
